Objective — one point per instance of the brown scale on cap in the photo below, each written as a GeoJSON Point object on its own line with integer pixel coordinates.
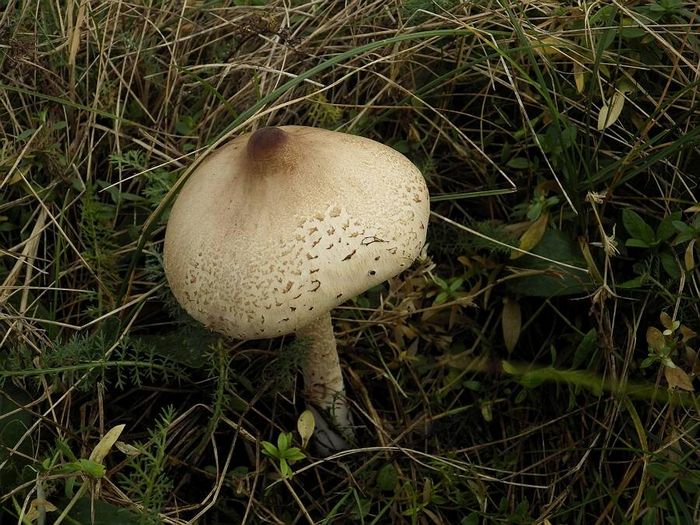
{"type": "Point", "coordinates": [268, 146]}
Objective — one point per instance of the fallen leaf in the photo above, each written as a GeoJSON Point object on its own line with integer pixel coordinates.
{"type": "Point", "coordinates": [689, 257]}
{"type": "Point", "coordinates": [550, 46]}
{"type": "Point", "coordinates": [677, 378]}
{"type": "Point", "coordinates": [610, 113]}
{"type": "Point", "coordinates": [126, 449]}
{"type": "Point", "coordinates": [655, 339]}
{"type": "Point", "coordinates": [579, 77]}
{"type": "Point", "coordinates": [532, 236]}
{"type": "Point", "coordinates": [33, 512]}
{"type": "Point", "coordinates": [106, 443]}
{"type": "Point", "coordinates": [305, 426]}
{"type": "Point", "coordinates": [511, 322]}
{"type": "Point", "coordinates": [666, 321]}
{"type": "Point", "coordinates": [590, 262]}
{"type": "Point", "coordinates": [686, 333]}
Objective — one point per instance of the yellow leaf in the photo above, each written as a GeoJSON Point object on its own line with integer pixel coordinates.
{"type": "Point", "coordinates": [689, 257]}
{"type": "Point", "coordinates": [666, 321]}
{"type": "Point", "coordinates": [33, 512]}
{"type": "Point", "coordinates": [532, 236]}
{"type": "Point", "coordinates": [610, 113]}
{"type": "Point", "coordinates": [508, 368]}
{"type": "Point", "coordinates": [511, 322]}
{"type": "Point", "coordinates": [486, 411]}
{"type": "Point", "coordinates": [22, 172]}
{"type": "Point", "coordinates": [550, 46]}
{"type": "Point", "coordinates": [686, 333]}
{"type": "Point", "coordinates": [427, 491]}
{"type": "Point", "coordinates": [677, 378]}
{"type": "Point", "coordinates": [126, 449]}
{"type": "Point", "coordinates": [625, 86]}
{"type": "Point", "coordinates": [305, 426]}
{"type": "Point", "coordinates": [692, 357]}
{"type": "Point", "coordinates": [579, 77]}
{"type": "Point", "coordinates": [590, 262]}
{"type": "Point", "coordinates": [655, 338]}
{"type": "Point", "coordinates": [413, 134]}
{"type": "Point", "coordinates": [106, 443]}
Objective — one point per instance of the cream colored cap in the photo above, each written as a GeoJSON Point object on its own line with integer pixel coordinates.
{"type": "Point", "coordinates": [282, 225]}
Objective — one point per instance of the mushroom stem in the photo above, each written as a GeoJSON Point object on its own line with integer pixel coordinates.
{"type": "Point", "coordinates": [323, 382]}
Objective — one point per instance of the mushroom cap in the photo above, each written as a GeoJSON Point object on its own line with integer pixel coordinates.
{"type": "Point", "coordinates": [281, 225]}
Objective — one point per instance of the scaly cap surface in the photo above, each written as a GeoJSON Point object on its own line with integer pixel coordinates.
{"type": "Point", "coordinates": [282, 225]}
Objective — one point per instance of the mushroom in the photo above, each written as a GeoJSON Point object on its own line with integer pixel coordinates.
{"type": "Point", "coordinates": [279, 226]}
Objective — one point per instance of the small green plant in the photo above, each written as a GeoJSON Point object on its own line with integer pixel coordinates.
{"type": "Point", "coordinates": [656, 240]}
{"type": "Point", "coordinates": [147, 480]}
{"type": "Point", "coordinates": [283, 452]}
{"type": "Point", "coordinates": [667, 345]}
{"type": "Point", "coordinates": [87, 472]}
{"type": "Point", "coordinates": [540, 204]}
{"type": "Point", "coordinates": [688, 233]}
{"type": "Point", "coordinates": [642, 235]}
{"type": "Point", "coordinates": [449, 289]}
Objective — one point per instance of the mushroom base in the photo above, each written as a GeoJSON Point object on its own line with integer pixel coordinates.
{"type": "Point", "coordinates": [323, 380]}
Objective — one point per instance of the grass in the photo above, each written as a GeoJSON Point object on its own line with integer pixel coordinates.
{"type": "Point", "coordinates": [537, 365]}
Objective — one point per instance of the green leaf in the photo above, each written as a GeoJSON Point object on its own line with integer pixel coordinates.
{"type": "Point", "coordinates": [532, 379]}
{"type": "Point", "coordinates": [555, 280]}
{"type": "Point", "coordinates": [636, 243]}
{"type": "Point", "coordinates": [648, 362]}
{"type": "Point", "coordinates": [666, 229]}
{"type": "Point", "coordinates": [283, 441]}
{"type": "Point", "coordinates": [456, 284]}
{"type": "Point", "coordinates": [535, 210]}
{"type": "Point", "coordinates": [681, 226]}
{"type": "Point", "coordinates": [632, 284]}
{"type": "Point", "coordinates": [270, 450]}
{"type": "Point", "coordinates": [474, 386]}
{"type": "Point", "coordinates": [13, 424]}
{"type": "Point", "coordinates": [285, 468]}
{"type": "Point", "coordinates": [588, 345]}
{"type": "Point", "coordinates": [509, 368]}
{"type": "Point", "coordinates": [472, 519]}
{"type": "Point", "coordinates": [441, 298]}
{"type": "Point", "coordinates": [293, 454]}
{"type": "Point", "coordinates": [663, 471]}
{"type": "Point", "coordinates": [94, 510]}
{"type": "Point", "coordinates": [518, 163]}
{"type": "Point", "coordinates": [183, 346]}
{"type": "Point", "coordinates": [686, 236]}
{"type": "Point", "coordinates": [84, 466]}
{"type": "Point", "coordinates": [92, 468]}
{"type": "Point", "coordinates": [25, 134]}
{"type": "Point", "coordinates": [630, 30]}
{"type": "Point", "coordinates": [387, 478]}
{"type": "Point", "coordinates": [440, 282]}
{"type": "Point", "coordinates": [670, 265]}
{"type": "Point", "coordinates": [487, 411]}
{"type": "Point", "coordinates": [636, 227]}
